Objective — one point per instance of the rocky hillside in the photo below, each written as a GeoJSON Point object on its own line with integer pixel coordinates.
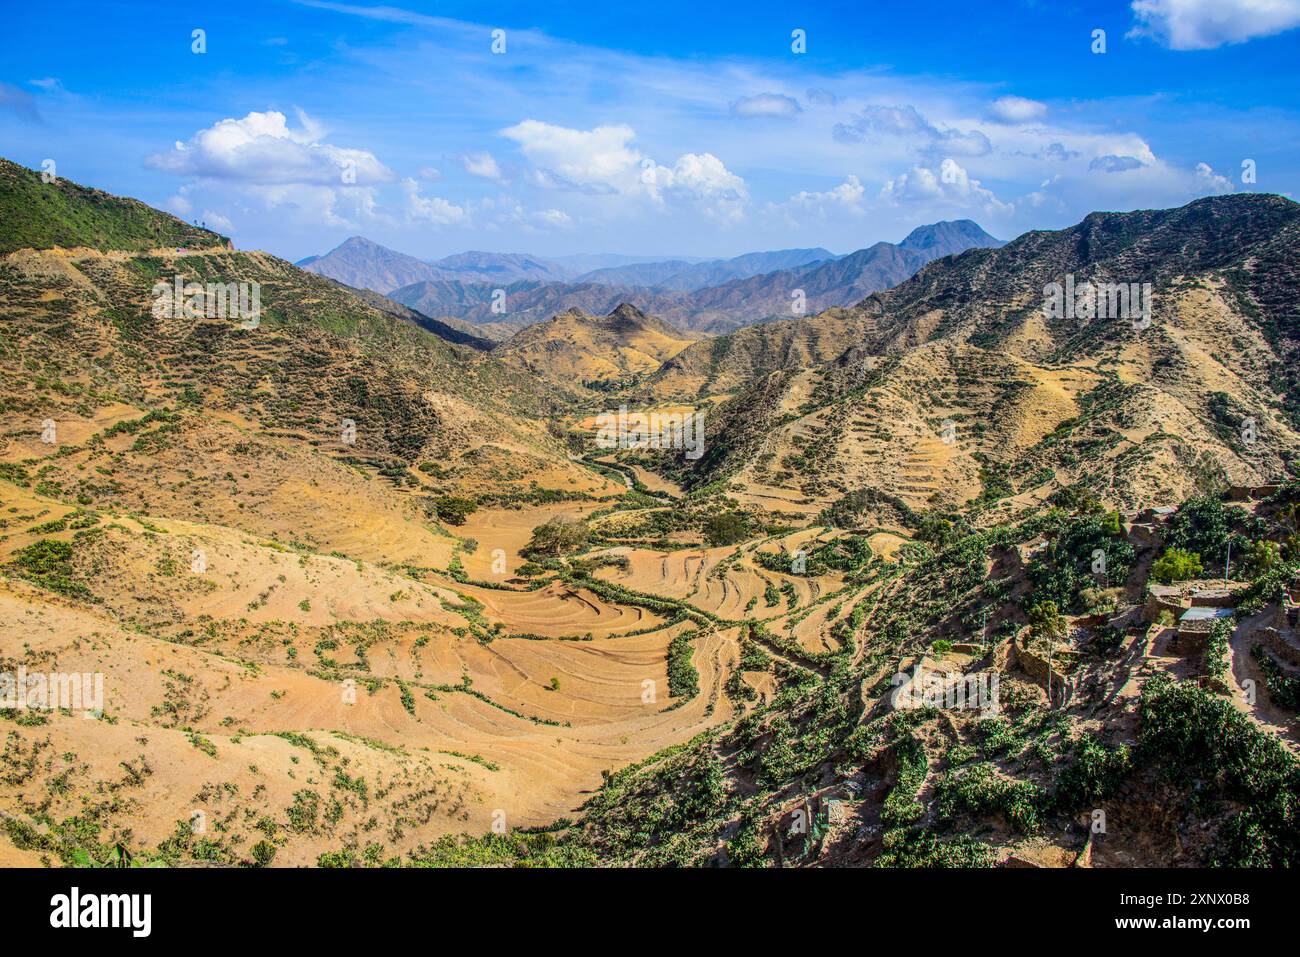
{"type": "Point", "coordinates": [575, 347]}
{"type": "Point", "coordinates": [1028, 404]}
{"type": "Point", "coordinates": [40, 215]}
{"type": "Point", "coordinates": [316, 354]}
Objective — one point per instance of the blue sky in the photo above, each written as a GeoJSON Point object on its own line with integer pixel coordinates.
{"type": "Point", "coordinates": [652, 129]}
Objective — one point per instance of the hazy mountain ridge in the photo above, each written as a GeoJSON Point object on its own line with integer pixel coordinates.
{"type": "Point", "coordinates": [364, 264]}
{"type": "Point", "coordinates": [686, 277]}
{"type": "Point", "coordinates": [712, 309]}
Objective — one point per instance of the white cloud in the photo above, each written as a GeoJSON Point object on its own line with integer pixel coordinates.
{"type": "Point", "coordinates": [482, 165]}
{"type": "Point", "coordinates": [846, 197]}
{"type": "Point", "coordinates": [701, 178]}
{"type": "Point", "coordinates": [556, 218]}
{"type": "Point", "coordinates": [602, 161]}
{"type": "Point", "coordinates": [431, 209]}
{"type": "Point", "coordinates": [430, 173]}
{"type": "Point", "coordinates": [216, 221]}
{"type": "Point", "coordinates": [1206, 24]}
{"type": "Point", "coordinates": [599, 159]}
{"type": "Point", "coordinates": [874, 123]}
{"type": "Point", "coordinates": [1212, 182]}
{"type": "Point", "coordinates": [1154, 184]}
{"type": "Point", "coordinates": [262, 148]}
{"type": "Point", "coordinates": [1017, 109]}
{"type": "Point", "coordinates": [949, 186]}
{"type": "Point", "coordinates": [766, 104]}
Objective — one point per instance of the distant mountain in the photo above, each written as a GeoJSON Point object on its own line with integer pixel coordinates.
{"type": "Point", "coordinates": [680, 275]}
{"type": "Point", "coordinates": [946, 238]}
{"type": "Point", "coordinates": [364, 264]}
{"type": "Point", "coordinates": [527, 302]}
{"type": "Point", "coordinates": [653, 274]}
{"type": "Point", "coordinates": [838, 282]}
{"type": "Point", "coordinates": [500, 267]}
{"type": "Point", "coordinates": [716, 309]}
{"type": "Point", "coordinates": [577, 347]}
{"type": "Point", "coordinates": [581, 263]}
{"type": "Point", "coordinates": [747, 266]}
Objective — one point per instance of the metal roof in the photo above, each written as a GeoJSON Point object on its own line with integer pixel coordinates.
{"type": "Point", "coordinates": [1205, 614]}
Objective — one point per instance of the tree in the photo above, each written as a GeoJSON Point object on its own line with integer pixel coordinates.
{"type": "Point", "coordinates": [453, 509]}
{"type": "Point", "coordinates": [726, 528]}
{"type": "Point", "coordinates": [1262, 556]}
{"type": "Point", "coordinates": [1176, 565]}
{"type": "Point", "coordinates": [1062, 571]}
{"type": "Point", "coordinates": [1045, 620]}
{"type": "Point", "coordinates": [557, 536]}
{"type": "Point", "coordinates": [1204, 526]}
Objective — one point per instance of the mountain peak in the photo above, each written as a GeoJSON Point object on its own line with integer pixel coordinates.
{"type": "Point", "coordinates": [944, 238]}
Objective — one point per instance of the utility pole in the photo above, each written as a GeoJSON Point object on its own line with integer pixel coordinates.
{"type": "Point", "coordinates": [1227, 565]}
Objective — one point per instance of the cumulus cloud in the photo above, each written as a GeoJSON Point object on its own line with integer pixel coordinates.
{"type": "Point", "coordinates": [874, 123]}
{"type": "Point", "coordinates": [598, 159]}
{"type": "Point", "coordinates": [603, 161]}
{"type": "Point", "coordinates": [1211, 182]}
{"type": "Point", "coordinates": [508, 214]}
{"type": "Point", "coordinates": [263, 149]}
{"type": "Point", "coordinates": [950, 185]}
{"type": "Point", "coordinates": [482, 165]}
{"type": "Point", "coordinates": [1017, 109]}
{"type": "Point", "coordinates": [1206, 24]}
{"type": "Point", "coordinates": [702, 179]}
{"type": "Point", "coordinates": [432, 209]}
{"type": "Point", "coordinates": [766, 104]}
{"type": "Point", "coordinates": [846, 197]}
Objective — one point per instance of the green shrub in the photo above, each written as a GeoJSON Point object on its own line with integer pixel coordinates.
{"type": "Point", "coordinates": [1176, 565]}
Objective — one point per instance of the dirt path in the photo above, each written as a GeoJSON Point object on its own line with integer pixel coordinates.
{"type": "Point", "coordinates": [1283, 724]}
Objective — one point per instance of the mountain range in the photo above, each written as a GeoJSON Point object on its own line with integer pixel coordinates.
{"type": "Point", "coordinates": [761, 288]}
{"type": "Point", "coordinates": [368, 590]}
